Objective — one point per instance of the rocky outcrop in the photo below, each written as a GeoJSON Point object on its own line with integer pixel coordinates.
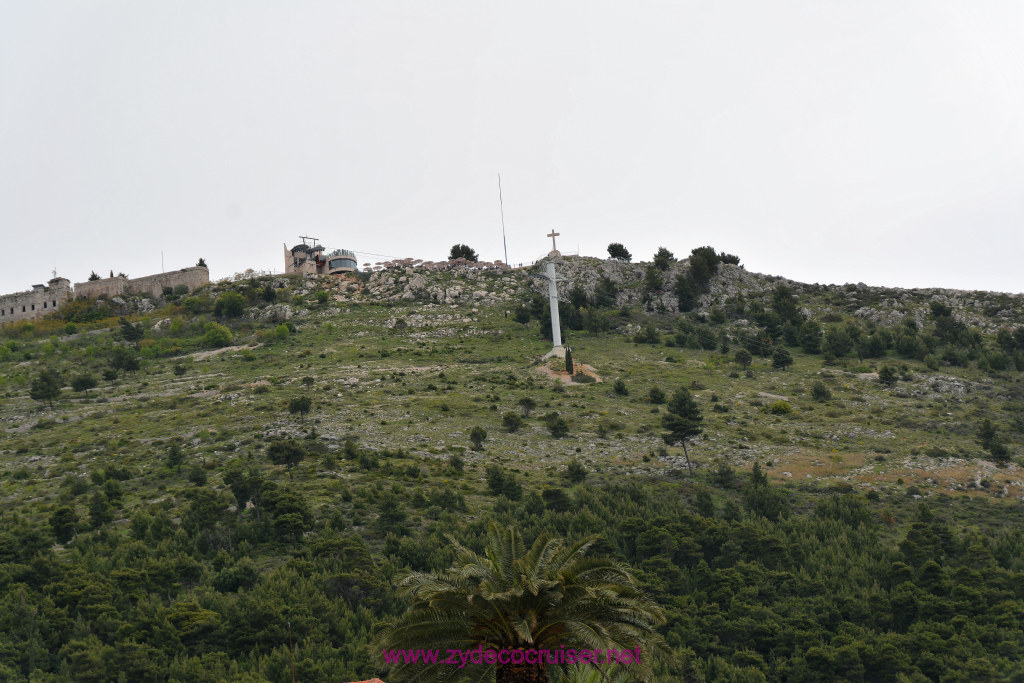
{"type": "Point", "coordinates": [278, 313]}
{"type": "Point", "coordinates": [732, 284]}
{"type": "Point", "coordinates": [884, 306]}
{"type": "Point", "coordinates": [459, 285]}
{"type": "Point", "coordinates": [628, 278]}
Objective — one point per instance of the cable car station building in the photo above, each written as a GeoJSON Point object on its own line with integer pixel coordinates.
{"type": "Point", "coordinates": [310, 259]}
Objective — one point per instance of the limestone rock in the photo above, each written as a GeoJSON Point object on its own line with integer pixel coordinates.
{"type": "Point", "coordinates": [276, 313]}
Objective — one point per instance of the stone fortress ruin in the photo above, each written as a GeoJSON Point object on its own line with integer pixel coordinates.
{"type": "Point", "coordinates": [307, 258]}
{"type": "Point", "coordinates": [36, 302]}
{"type": "Point", "coordinates": [44, 299]}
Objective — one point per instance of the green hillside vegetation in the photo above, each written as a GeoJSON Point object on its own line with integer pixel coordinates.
{"type": "Point", "coordinates": [173, 508]}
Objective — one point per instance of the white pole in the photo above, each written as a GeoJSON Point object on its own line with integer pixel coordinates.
{"type": "Point", "coordinates": [501, 205]}
{"type": "Point", "coordinates": [556, 331]}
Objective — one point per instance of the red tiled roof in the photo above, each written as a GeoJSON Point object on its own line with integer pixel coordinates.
{"type": "Point", "coordinates": [372, 680]}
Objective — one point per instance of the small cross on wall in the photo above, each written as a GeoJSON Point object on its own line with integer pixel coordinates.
{"type": "Point", "coordinates": [553, 235]}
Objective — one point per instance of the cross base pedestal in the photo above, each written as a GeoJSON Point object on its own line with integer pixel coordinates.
{"type": "Point", "coordinates": [558, 351]}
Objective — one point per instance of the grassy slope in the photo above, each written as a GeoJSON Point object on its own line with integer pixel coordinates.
{"type": "Point", "coordinates": [419, 391]}
{"type": "Point", "coordinates": [372, 383]}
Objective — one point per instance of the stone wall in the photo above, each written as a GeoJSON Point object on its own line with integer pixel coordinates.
{"type": "Point", "coordinates": [39, 302]}
{"type": "Point", "coordinates": [35, 303]}
{"type": "Point", "coordinates": [108, 286]}
{"type": "Point", "coordinates": [193, 278]}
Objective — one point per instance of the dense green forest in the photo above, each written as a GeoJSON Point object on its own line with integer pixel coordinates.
{"type": "Point", "coordinates": [231, 484]}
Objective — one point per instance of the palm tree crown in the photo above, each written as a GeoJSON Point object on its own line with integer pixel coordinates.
{"type": "Point", "coordinates": [546, 597]}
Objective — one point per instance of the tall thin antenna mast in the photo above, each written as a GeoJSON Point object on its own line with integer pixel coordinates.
{"type": "Point", "coordinates": [502, 205]}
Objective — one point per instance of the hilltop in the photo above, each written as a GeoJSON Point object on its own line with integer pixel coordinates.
{"type": "Point", "coordinates": [865, 409]}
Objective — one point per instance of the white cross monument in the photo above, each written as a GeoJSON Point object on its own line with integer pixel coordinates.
{"type": "Point", "coordinates": [553, 235]}
{"type": "Point", "coordinates": [553, 280]}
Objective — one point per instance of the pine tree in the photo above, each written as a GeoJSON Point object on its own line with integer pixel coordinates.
{"type": "Point", "coordinates": [528, 405]}
{"type": "Point", "coordinates": [83, 382]}
{"type": "Point", "coordinates": [64, 523]}
{"type": "Point", "coordinates": [300, 406]}
{"type": "Point", "coordinates": [131, 333]}
{"type": "Point", "coordinates": [175, 456]}
{"type": "Point", "coordinates": [477, 435]}
{"type": "Point", "coordinates": [810, 337]}
{"type": "Point", "coordinates": [682, 422]}
{"type": "Point", "coordinates": [988, 437]}
{"type": "Point", "coordinates": [703, 265]}
{"type": "Point", "coordinates": [99, 510]}
{"type": "Point", "coordinates": [45, 387]}
{"type": "Point", "coordinates": [619, 252]}
{"type": "Point", "coordinates": [782, 358]}
{"type": "Point", "coordinates": [686, 292]}
{"type": "Point", "coordinates": [287, 453]}
{"type": "Point", "coordinates": [124, 359]}
{"type": "Point", "coordinates": [663, 259]}
{"type": "Point", "coordinates": [462, 251]}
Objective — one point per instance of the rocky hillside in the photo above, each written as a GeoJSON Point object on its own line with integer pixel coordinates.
{"type": "Point", "coordinates": [183, 479]}
{"type": "Point", "coordinates": [884, 306]}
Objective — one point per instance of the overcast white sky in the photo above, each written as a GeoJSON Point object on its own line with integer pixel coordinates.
{"type": "Point", "coordinates": [880, 142]}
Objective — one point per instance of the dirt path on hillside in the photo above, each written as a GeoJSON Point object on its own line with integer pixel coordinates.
{"type": "Point", "coordinates": [203, 355]}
